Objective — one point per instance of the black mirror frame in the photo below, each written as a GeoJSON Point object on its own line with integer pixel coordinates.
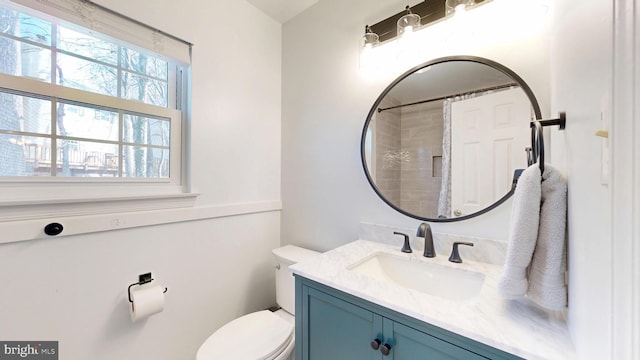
{"type": "Point", "coordinates": [376, 104]}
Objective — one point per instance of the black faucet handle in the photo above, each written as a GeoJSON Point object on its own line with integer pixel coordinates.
{"type": "Point", "coordinates": [406, 248]}
{"type": "Point", "coordinates": [455, 255]}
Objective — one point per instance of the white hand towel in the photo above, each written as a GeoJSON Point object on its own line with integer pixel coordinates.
{"type": "Point", "coordinates": [523, 232]}
{"type": "Point", "coordinates": [546, 274]}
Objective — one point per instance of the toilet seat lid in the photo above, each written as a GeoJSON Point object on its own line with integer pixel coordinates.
{"type": "Point", "coordinates": [259, 335]}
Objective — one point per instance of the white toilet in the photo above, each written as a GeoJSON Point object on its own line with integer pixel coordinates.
{"type": "Point", "coordinates": [262, 335]}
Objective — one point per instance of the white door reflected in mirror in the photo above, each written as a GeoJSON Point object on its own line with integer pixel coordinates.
{"type": "Point", "coordinates": [488, 146]}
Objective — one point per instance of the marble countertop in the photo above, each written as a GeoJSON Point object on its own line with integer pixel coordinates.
{"type": "Point", "coordinates": [515, 326]}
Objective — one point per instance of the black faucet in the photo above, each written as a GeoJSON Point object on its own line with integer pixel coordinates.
{"type": "Point", "coordinates": [425, 231]}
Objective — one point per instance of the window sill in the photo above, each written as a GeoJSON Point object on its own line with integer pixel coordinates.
{"type": "Point", "coordinates": [38, 209]}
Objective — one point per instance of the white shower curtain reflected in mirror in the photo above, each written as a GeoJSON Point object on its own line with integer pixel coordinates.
{"type": "Point", "coordinates": [444, 200]}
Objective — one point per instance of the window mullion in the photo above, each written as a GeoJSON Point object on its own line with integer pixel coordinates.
{"type": "Point", "coordinates": [120, 143]}
{"type": "Point", "coordinates": [119, 72]}
{"type": "Point", "coordinates": [25, 41]}
{"type": "Point", "coordinates": [54, 137]}
{"type": "Point", "coordinates": [54, 54]}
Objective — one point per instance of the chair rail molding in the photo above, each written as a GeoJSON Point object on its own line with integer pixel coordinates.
{"type": "Point", "coordinates": [33, 229]}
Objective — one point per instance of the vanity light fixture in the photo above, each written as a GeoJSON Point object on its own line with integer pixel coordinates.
{"type": "Point", "coordinates": [457, 6]}
{"type": "Point", "coordinates": [370, 39]}
{"type": "Point", "coordinates": [396, 40]}
{"type": "Point", "coordinates": [408, 23]}
{"type": "Point", "coordinates": [417, 16]}
{"type": "Point", "coordinates": [425, 12]}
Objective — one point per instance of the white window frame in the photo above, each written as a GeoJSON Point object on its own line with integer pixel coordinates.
{"type": "Point", "coordinates": [27, 198]}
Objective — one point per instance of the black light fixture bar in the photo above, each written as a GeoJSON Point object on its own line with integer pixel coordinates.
{"type": "Point", "coordinates": [429, 11]}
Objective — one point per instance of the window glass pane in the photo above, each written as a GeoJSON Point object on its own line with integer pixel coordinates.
{"type": "Point", "coordinates": [144, 64]}
{"type": "Point", "coordinates": [146, 130]}
{"type": "Point", "coordinates": [25, 26]}
{"type": "Point", "coordinates": [86, 75]}
{"type": "Point", "coordinates": [24, 156]}
{"type": "Point", "coordinates": [22, 113]}
{"type": "Point", "coordinates": [150, 91]}
{"type": "Point", "coordinates": [87, 159]}
{"type": "Point", "coordinates": [87, 46]}
{"type": "Point", "coordinates": [55, 132]}
{"type": "Point", "coordinates": [87, 122]}
{"type": "Point", "coordinates": [21, 59]}
{"type": "Point", "coordinates": [144, 162]}
{"type": "Point", "coordinates": [34, 29]}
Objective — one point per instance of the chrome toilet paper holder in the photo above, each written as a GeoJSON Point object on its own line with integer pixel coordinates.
{"type": "Point", "coordinates": [142, 279]}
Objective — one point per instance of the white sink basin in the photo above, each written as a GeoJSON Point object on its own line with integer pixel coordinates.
{"type": "Point", "coordinates": [424, 276]}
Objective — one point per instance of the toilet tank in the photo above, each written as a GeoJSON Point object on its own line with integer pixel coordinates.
{"type": "Point", "coordinates": [285, 282]}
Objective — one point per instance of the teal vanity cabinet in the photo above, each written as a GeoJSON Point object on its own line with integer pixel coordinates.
{"type": "Point", "coordinates": [333, 325]}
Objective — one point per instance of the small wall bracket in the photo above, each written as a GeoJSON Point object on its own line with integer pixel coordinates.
{"type": "Point", "coordinates": [561, 121]}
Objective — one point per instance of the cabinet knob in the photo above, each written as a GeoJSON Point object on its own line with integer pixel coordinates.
{"type": "Point", "coordinates": [385, 349]}
{"type": "Point", "coordinates": [375, 344]}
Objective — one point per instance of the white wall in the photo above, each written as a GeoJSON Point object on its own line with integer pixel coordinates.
{"type": "Point", "coordinates": [568, 65]}
{"type": "Point", "coordinates": [326, 99]}
{"type": "Point", "coordinates": [582, 86]}
{"type": "Point", "coordinates": [73, 289]}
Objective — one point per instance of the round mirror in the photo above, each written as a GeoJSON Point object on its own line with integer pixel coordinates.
{"type": "Point", "coordinates": [446, 140]}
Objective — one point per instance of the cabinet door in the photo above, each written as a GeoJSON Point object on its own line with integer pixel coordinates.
{"type": "Point", "coordinates": [337, 330]}
{"type": "Point", "coordinates": [411, 344]}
